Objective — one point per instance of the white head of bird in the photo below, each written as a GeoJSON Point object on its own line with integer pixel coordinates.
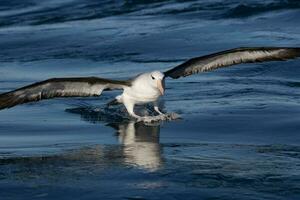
{"type": "Point", "coordinates": [158, 81]}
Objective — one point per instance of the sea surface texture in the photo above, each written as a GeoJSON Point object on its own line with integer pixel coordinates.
{"type": "Point", "coordinates": [239, 136]}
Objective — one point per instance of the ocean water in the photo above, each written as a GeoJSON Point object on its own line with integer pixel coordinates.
{"type": "Point", "coordinates": [239, 136]}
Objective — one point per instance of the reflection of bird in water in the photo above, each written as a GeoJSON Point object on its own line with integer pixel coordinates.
{"type": "Point", "coordinates": [140, 141]}
{"type": "Point", "coordinates": [146, 87]}
{"type": "Point", "coordinates": [140, 144]}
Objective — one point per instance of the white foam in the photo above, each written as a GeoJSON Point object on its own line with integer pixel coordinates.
{"type": "Point", "coordinates": [164, 117]}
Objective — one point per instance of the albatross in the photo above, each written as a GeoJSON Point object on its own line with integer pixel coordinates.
{"type": "Point", "coordinates": [146, 87]}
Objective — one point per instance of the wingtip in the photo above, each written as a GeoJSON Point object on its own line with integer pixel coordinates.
{"type": "Point", "coordinates": [6, 101]}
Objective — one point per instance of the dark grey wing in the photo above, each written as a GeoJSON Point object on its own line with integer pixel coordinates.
{"type": "Point", "coordinates": [232, 57]}
{"type": "Point", "coordinates": [60, 87]}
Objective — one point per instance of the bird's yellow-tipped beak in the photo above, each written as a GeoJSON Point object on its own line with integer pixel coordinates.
{"type": "Point", "coordinates": [160, 86]}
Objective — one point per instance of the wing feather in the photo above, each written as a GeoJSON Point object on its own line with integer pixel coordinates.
{"type": "Point", "coordinates": [60, 87]}
{"type": "Point", "coordinates": [232, 57]}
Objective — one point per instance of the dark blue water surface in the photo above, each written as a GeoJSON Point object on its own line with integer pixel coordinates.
{"type": "Point", "coordinates": [240, 133]}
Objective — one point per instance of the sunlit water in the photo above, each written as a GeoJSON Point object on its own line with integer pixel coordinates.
{"type": "Point", "coordinates": [239, 136]}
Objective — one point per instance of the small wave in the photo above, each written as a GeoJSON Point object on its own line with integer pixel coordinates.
{"type": "Point", "coordinates": [247, 10]}
{"type": "Point", "coordinates": [280, 150]}
{"type": "Point", "coordinates": [157, 60]}
{"type": "Point", "coordinates": [292, 83]}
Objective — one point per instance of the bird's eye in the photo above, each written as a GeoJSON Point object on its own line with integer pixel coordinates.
{"type": "Point", "coordinates": [152, 77]}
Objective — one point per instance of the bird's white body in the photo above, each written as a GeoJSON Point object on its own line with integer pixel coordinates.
{"type": "Point", "coordinates": [141, 91]}
{"type": "Point", "coordinates": [144, 89]}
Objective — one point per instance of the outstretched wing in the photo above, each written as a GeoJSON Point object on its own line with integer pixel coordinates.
{"type": "Point", "coordinates": [60, 87]}
{"type": "Point", "coordinates": [232, 57]}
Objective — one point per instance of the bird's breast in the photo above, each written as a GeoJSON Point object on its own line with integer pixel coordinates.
{"type": "Point", "coordinates": [141, 95]}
